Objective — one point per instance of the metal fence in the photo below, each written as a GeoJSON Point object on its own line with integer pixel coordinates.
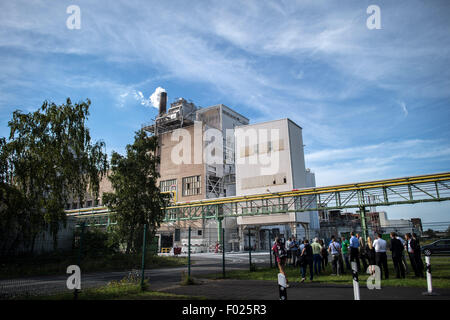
{"type": "Point", "coordinates": [43, 272]}
{"type": "Point", "coordinates": [32, 272]}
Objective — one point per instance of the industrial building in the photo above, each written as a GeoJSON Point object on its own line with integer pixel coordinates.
{"type": "Point", "coordinates": [214, 152]}
{"type": "Point", "coordinates": [190, 169]}
{"type": "Point", "coordinates": [338, 223]}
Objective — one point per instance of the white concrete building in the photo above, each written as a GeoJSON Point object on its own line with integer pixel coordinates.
{"type": "Point", "coordinates": [270, 159]}
{"type": "Point", "coordinates": [397, 225]}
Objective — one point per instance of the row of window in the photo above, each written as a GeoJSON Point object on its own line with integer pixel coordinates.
{"type": "Point", "coordinates": [191, 186]}
{"type": "Point", "coordinates": [86, 204]}
{"type": "Point", "coordinates": [263, 181]}
{"type": "Point", "coordinates": [262, 148]}
{"type": "Point", "coordinates": [178, 234]}
{"type": "Point", "coordinates": [168, 185]}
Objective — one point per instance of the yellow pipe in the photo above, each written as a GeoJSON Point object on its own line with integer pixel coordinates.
{"type": "Point", "coordinates": [322, 190]}
{"type": "Point", "coordinates": [308, 191]}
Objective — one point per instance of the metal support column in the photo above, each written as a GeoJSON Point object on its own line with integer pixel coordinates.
{"type": "Point", "coordinates": [249, 250]}
{"type": "Point", "coordinates": [223, 253]}
{"type": "Point", "coordinates": [362, 214]}
{"type": "Point", "coordinates": [189, 253]}
{"type": "Point", "coordinates": [219, 230]}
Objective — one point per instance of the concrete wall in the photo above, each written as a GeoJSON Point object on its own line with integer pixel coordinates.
{"type": "Point", "coordinates": [297, 156]}
{"type": "Point", "coordinates": [254, 174]}
{"type": "Point", "coordinates": [170, 170]}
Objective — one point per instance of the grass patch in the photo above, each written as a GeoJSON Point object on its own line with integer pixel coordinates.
{"type": "Point", "coordinates": [118, 290]}
{"type": "Point", "coordinates": [440, 269]}
{"type": "Point", "coordinates": [57, 263]}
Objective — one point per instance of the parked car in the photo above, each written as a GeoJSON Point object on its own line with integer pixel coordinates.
{"type": "Point", "coordinates": [439, 246]}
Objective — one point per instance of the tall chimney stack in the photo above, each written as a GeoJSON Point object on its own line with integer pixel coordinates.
{"type": "Point", "coordinates": [162, 103]}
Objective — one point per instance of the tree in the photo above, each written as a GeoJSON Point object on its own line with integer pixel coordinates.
{"type": "Point", "coordinates": [136, 199]}
{"type": "Point", "coordinates": [49, 158]}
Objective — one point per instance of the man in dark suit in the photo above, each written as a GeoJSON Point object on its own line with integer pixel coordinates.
{"type": "Point", "coordinates": [397, 253]}
{"type": "Point", "coordinates": [414, 252]}
{"type": "Point", "coordinates": [418, 256]}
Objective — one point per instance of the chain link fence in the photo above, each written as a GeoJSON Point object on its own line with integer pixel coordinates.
{"type": "Point", "coordinates": [43, 269]}
{"type": "Point", "coordinates": [214, 250]}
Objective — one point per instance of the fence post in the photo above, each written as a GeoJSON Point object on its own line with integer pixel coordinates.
{"type": "Point", "coordinates": [249, 250]}
{"type": "Point", "coordinates": [270, 248]}
{"type": "Point", "coordinates": [223, 253]}
{"type": "Point", "coordinates": [189, 253]}
{"type": "Point", "coordinates": [80, 249]}
{"type": "Point", "coordinates": [80, 252]}
{"type": "Point", "coordinates": [144, 247]}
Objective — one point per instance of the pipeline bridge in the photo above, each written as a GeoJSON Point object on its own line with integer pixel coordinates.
{"type": "Point", "coordinates": [407, 190]}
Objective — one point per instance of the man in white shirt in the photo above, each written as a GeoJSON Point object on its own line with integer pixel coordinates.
{"type": "Point", "coordinates": [380, 255]}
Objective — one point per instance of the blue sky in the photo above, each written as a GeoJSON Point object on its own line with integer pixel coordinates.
{"type": "Point", "coordinates": [373, 104]}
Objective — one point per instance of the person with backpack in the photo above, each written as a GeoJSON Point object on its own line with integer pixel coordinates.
{"type": "Point", "coordinates": [279, 251]}
{"type": "Point", "coordinates": [306, 259]}
{"type": "Point", "coordinates": [289, 255]}
{"type": "Point", "coordinates": [293, 250]}
{"type": "Point", "coordinates": [335, 250]}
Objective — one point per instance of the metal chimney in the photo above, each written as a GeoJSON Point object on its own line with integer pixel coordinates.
{"type": "Point", "coordinates": [162, 103]}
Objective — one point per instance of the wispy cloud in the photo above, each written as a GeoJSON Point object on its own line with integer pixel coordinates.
{"type": "Point", "coordinates": [374, 162]}
{"type": "Point", "coordinates": [312, 61]}
{"type": "Point", "coordinates": [404, 109]}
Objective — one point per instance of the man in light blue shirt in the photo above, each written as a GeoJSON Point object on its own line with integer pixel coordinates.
{"type": "Point", "coordinates": [293, 248]}
{"type": "Point", "coordinates": [335, 249]}
{"type": "Point", "coordinates": [354, 250]}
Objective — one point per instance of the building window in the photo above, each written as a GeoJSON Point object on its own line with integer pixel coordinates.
{"type": "Point", "coordinates": [167, 185]}
{"type": "Point", "coordinates": [199, 232]}
{"type": "Point", "coordinates": [192, 186]}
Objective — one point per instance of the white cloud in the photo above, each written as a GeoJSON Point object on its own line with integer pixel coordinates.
{"type": "Point", "coordinates": [225, 46]}
{"type": "Point", "coordinates": [139, 96]}
{"type": "Point", "coordinates": [155, 98]}
{"type": "Point", "coordinates": [374, 162]}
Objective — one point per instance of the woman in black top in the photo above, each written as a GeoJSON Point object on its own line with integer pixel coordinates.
{"type": "Point", "coordinates": [370, 251]}
{"type": "Point", "coordinates": [306, 259]}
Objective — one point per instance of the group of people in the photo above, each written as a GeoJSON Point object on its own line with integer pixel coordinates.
{"type": "Point", "coordinates": [314, 256]}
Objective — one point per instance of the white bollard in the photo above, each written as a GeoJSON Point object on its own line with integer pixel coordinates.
{"type": "Point", "coordinates": [355, 281]}
{"type": "Point", "coordinates": [282, 286]}
{"type": "Point", "coordinates": [429, 282]}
